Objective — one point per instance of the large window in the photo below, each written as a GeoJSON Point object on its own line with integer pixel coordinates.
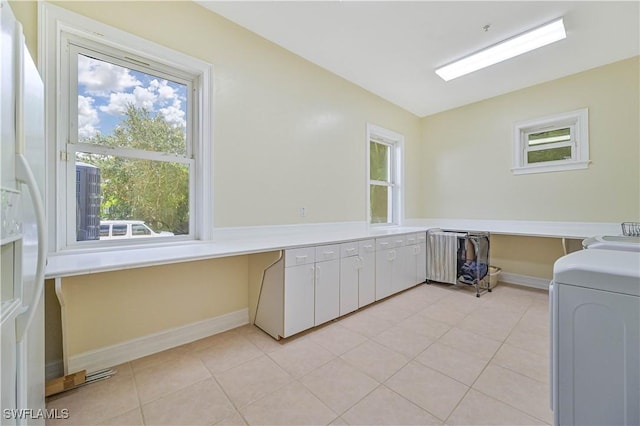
{"type": "Point", "coordinates": [554, 143]}
{"type": "Point", "coordinates": [132, 137]}
{"type": "Point", "coordinates": [384, 172]}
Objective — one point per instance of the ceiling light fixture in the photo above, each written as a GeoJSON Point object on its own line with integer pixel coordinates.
{"type": "Point", "coordinates": [504, 50]}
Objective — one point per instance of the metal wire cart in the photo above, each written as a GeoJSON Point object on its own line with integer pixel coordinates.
{"type": "Point", "coordinates": [459, 257]}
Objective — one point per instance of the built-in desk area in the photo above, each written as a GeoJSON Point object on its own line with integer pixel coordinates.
{"type": "Point", "coordinates": [231, 266]}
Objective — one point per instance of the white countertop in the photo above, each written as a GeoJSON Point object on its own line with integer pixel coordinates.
{"type": "Point", "coordinates": [249, 240]}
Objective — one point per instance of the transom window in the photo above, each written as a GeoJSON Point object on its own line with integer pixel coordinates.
{"type": "Point", "coordinates": [385, 161]}
{"type": "Point", "coordinates": [552, 143]}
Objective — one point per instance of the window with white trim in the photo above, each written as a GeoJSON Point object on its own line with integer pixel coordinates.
{"type": "Point", "coordinates": [553, 143]}
{"type": "Point", "coordinates": [384, 195]}
{"type": "Point", "coordinates": [131, 141]}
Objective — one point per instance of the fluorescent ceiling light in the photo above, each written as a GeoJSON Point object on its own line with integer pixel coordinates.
{"type": "Point", "coordinates": [504, 50]}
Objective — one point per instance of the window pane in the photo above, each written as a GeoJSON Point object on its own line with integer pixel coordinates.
{"type": "Point", "coordinates": [552, 154]}
{"type": "Point", "coordinates": [552, 136]}
{"type": "Point", "coordinates": [380, 197]}
{"type": "Point", "coordinates": [119, 230]}
{"type": "Point", "coordinates": [104, 230]}
{"type": "Point", "coordinates": [379, 161]}
{"type": "Point", "coordinates": [122, 107]}
{"type": "Point", "coordinates": [140, 230]}
{"type": "Point", "coordinates": [117, 188]}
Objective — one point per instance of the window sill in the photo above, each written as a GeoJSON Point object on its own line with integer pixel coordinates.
{"type": "Point", "coordinates": [546, 168]}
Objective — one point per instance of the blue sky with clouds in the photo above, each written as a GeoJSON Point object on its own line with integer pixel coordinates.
{"type": "Point", "coordinates": [105, 90]}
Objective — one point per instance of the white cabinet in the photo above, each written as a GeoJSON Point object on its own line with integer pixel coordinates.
{"type": "Point", "coordinates": [421, 253]}
{"type": "Point", "coordinates": [367, 272]}
{"type": "Point", "coordinates": [327, 283]}
{"type": "Point", "coordinates": [400, 263]}
{"type": "Point", "coordinates": [309, 286]}
{"type": "Point", "coordinates": [350, 266]}
{"type": "Point", "coordinates": [357, 275]}
{"type": "Point", "coordinates": [299, 290]}
{"type": "Point", "coordinates": [388, 265]}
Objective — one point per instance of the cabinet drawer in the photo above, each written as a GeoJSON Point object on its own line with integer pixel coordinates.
{"type": "Point", "coordinates": [349, 249]}
{"type": "Point", "coordinates": [328, 252]}
{"type": "Point", "coordinates": [299, 256]}
{"type": "Point", "coordinates": [384, 243]}
{"type": "Point", "coordinates": [411, 239]}
{"type": "Point", "coordinates": [366, 246]}
{"type": "Point", "coordinates": [399, 240]}
{"type": "Point", "coordinates": [421, 237]}
{"type": "Point", "coordinates": [393, 241]}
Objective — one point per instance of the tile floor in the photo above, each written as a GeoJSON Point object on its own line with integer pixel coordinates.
{"type": "Point", "coordinates": [433, 355]}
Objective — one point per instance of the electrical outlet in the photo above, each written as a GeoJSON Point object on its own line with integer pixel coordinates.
{"type": "Point", "coordinates": [302, 212]}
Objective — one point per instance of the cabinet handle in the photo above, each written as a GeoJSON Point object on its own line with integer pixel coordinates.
{"type": "Point", "coordinates": [416, 250]}
{"type": "Point", "coordinates": [317, 273]}
{"type": "Point", "coordinates": [359, 262]}
{"type": "Point", "coordinates": [399, 242]}
{"type": "Point", "coordinates": [391, 255]}
{"type": "Point", "coordinates": [384, 244]}
{"type": "Point", "coordinates": [301, 259]}
{"type": "Point", "coordinates": [368, 247]}
{"type": "Point", "coordinates": [328, 254]}
{"type": "Point", "coordinates": [351, 250]}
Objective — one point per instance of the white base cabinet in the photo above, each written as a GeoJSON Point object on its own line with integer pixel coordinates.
{"type": "Point", "coordinates": [309, 286]}
{"type": "Point", "coordinates": [327, 283]}
{"type": "Point", "coordinates": [367, 273]}
{"type": "Point", "coordinates": [400, 263]}
{"type": "Point", "coordinates": [299, 290]}
{"type": "Point", "coordinates": [299, 299]}
{"type": "Point", "coordinates": [357, 275]}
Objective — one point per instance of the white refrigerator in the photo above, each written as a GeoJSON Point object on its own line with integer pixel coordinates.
{"type": "Point", "coordinates": [22, 229]}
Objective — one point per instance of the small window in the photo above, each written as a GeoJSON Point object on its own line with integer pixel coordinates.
{"type": "Point", "coordinates": [385, 160]}
{"type": "Point", "coordinates": [104, 230]}
{"type": "Point", "coordinates": [552, 143]}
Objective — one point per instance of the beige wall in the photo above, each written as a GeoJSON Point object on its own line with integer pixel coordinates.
{"type": "Point", "coordinates": [114, 307]}
{"type": "Point", "coordinates": [529, 256]}
{"type": "Point", "coordinates": [468, 153]}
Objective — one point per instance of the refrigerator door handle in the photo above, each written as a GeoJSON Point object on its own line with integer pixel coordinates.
{"type": "Point", "coordinates": [25, 175]}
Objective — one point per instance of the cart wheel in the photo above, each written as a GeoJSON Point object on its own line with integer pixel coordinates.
{"type": "Point", "coordinates": [477, 295]}
{"type": "Point", "coordinates": [489, 290]}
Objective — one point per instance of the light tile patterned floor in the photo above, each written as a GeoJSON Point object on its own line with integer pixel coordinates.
{"type": "Point", "coordinates": [433, 355]}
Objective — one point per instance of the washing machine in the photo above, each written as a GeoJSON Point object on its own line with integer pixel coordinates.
{"type": "Point", "coordinates": [613, 242]}
{"type": "Point", "coordinates": [595, 337]}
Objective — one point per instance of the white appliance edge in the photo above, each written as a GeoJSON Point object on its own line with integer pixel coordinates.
{"type": "Point", "coordinates": [23, 163]}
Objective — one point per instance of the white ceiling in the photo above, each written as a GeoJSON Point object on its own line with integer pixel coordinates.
{"type": "Point", "coordinates": [391, 48]}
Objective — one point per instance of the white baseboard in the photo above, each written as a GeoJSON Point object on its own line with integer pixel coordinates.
{"type": "Point", "coordinates": [524, 280]}
{"type": "Point", "coordinates": [113, 355]}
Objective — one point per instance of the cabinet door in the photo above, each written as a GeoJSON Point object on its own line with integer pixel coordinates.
{"type": "Point", "coordinates": [327, 291]}
{"type": "Point", "coordinates": [367, 279]}
{"type": "Point", "coordinates": [385, 260]}
{"type": "Point", "coordinates": [349, 271]}
{"type": "Point", "coordinates": [298, 299]}
{"type": "Point", "coordinates": [407, 268]}
{"type": "Point", "coordinates": [422, 262]}
{"type": "Point", "coordinates": [598, 361]}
